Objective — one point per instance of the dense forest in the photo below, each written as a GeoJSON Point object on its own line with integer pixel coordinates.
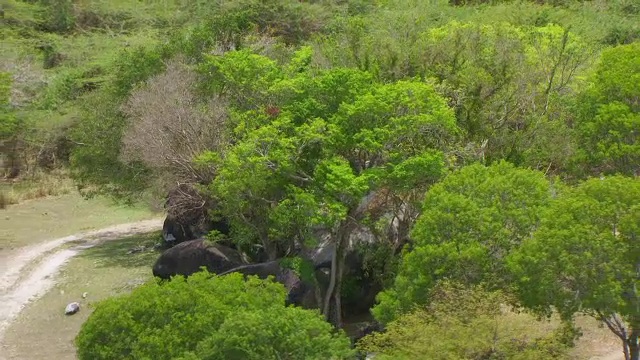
{"type": "Point", "coordinates": [458, 170]}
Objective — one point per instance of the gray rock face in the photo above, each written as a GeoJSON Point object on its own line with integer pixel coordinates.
{"type": "Point", "coordinates": [72, 308]}
{"type": "Point", "coordinates": [188, 257]}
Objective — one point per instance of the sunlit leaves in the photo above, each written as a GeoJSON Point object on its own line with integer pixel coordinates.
{"type": "Point", "coordinates": [585, 254]}
{"type": "Point", "coordinates": [313, 143]}
{"type": "Point", "coordinates": [213, 317]}
{"type": "Point", "coordinates": [609, 122]}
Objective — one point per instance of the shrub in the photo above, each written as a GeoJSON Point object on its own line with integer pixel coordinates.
{"type": "Point", "coordinates": [58, 16]}
{"type": "Point", "coordinates": [468, 323]}
{"type": "Point", "coordinates": [208, 317]}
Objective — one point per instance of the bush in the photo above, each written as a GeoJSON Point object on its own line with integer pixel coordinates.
{"type": "Point", "coordinates": [208, 317]}
{"type": "Point", "coordinates": [468, 323]}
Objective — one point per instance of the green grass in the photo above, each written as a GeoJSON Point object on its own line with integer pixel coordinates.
{"type": "Point", "coordinates": [42, 331]}
{"type": "Point", "coordinates": [32, 222]}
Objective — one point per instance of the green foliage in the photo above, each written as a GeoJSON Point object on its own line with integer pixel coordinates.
{"type": "Point", "coordinates": [293, 21]}
{"type": "Point", "coordinates": [58, 15]}
{"type": "Point", "coordinates": [465, 323]}
{"type": "Point", "coordinates": [208, 317]}
{"type": "Point", "coordinates": [8, 121]}
{"type": "Point", "coordinates": [470, 222]}
{"type": "Point", "coordinates": [609, 121]}
{"type": "Point", "coordinates": [96, 159]}
{"type": "Point", "coordinates": [274, 334]}
{"type": "Point", "coordinates": [135, 66]}
{"type": "Point", "coordinates": [64, 87]}
{"type": "Point", "coordinates": [241, 75]}
{"type": "Point", "coordinates": [328, 142]}
{"type": "Point", "coordinates": [484, 69]}
{"type": "Point", "coordinates": [584, 256]}
{"type": "Point", "coordinates": [303, 268]}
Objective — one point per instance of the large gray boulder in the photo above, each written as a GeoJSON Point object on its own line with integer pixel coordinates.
{"type": "Point", "coordinates": [188, 257]}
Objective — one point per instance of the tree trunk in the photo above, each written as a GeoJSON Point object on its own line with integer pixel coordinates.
{"type": "Point", "coordinates": [632, 342]}
{"type": "Point", "coordinates": [326, 305]}
{"type": "Point", "coordinates": [332, 305]}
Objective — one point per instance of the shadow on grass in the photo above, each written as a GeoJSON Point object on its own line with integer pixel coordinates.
{"type": "Point", "coordinates": [132, 251]}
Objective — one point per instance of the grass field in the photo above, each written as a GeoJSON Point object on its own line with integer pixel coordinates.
{"type": "Point", "coordinates": [34, 221]}
{"type": "Point", "coordinates": [42, 331]}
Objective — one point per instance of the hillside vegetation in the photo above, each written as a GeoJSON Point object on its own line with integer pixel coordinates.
{"type": "Point", "coordinates": [488, 150]}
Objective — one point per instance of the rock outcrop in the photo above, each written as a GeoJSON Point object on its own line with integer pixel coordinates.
{"type": "Point", "coordinates": [188, 216]}
{"type": "Point", "coordinates": [189, 257]}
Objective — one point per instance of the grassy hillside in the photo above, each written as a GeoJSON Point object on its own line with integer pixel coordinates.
{"type": "Point", "coordinates": [56, 52]}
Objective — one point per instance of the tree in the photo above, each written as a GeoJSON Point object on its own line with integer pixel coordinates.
{"type": "Point", "coordinates": [467, 323]}
{"type": "Point", "coordinates": [470, 222]}
{"type": "Point", "coordinates": [323, 147]}
{"type": "Point", "coordinates": [609, 121]}
{"type": "Point", "coordinates": [585, 257]}
{"type": "Point", "coordinates": [96, 160]}
{"type": "Point", "coordinates": [506, 83]}
{"type": "Point", "coordinates": [510, 86]}
{"type": "Point", "coordinates": [168, 126]}
{"type": "Point", "coordinates": [208, 316]}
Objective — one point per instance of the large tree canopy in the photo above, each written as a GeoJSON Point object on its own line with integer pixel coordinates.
{"type": "Point", "coordinates": [319, 148]}
{"type": "Point", "coordinates": [470, 222]}
{"type": "Point", "coordinates": [585, 257]}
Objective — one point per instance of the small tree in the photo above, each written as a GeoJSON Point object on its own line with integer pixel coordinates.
{"type": "Point", "coordinates": [585, 258]}
{"type": "Point", "coordinates": [211, 317]}
{"type": "Point", "coordinates": [470, 222]}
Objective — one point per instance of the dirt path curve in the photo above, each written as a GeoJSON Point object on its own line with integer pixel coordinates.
{"type": "Point", "coordinates": [30, 271]}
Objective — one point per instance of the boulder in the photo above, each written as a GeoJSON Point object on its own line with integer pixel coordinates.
{"type": "Point", "coordinates": [72, 308]}
{"type": "Point", "coordinates": [188, 215]}
{"type": "Point", "coordinates": [174, 232]}
{"type": "Point", "coordinates": [299, 292]}
{"type": "Point", "coordinates": [188, 257]}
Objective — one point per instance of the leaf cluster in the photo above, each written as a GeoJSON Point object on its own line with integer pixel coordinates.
{"type": "Point", "coordinates": [208, 317]}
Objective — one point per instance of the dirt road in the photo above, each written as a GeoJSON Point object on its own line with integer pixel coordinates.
{"type": "Point", "coordinates": [29, 272]}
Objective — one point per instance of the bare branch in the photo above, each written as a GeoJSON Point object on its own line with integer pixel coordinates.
{"type": "Point", "coordinates": [169, 126]}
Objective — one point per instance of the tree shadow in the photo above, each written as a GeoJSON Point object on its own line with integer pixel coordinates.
{"type": "Point", "coordinates": [131, 251]}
